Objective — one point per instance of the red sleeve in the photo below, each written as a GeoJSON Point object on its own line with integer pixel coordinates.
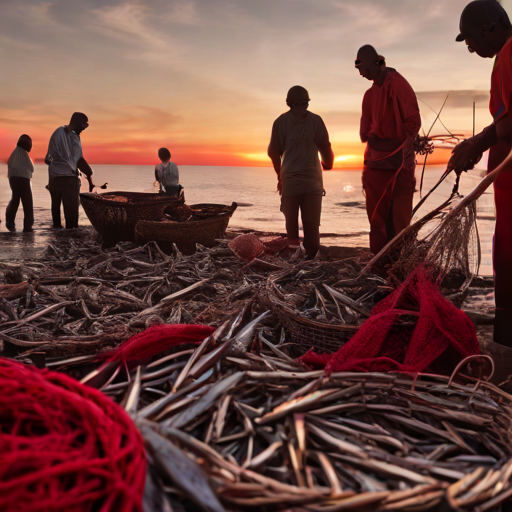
{"type": "Point", "coordinates": [501, 83]}
{"type": "Point", "coordinates": [366, 117]}
{"type": "Point", "coordinates": [409, 109]}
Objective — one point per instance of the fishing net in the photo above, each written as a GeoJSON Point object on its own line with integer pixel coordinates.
{"type": "Point", "coordinates": [157, 339]}
{"type": "Point", "coordinates": [247, 247]}
{"type": "Point", "coordinates": [65, 446]}
{"type": "Point", "coordinates": [446, 240]}
{"type": "Point", "coordinates": [415, 329]}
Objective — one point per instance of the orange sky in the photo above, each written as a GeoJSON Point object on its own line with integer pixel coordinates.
{"type": "Point", "coordinates": [206, 78]}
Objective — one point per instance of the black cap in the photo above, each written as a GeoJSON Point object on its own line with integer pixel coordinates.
{"type": "Point", "coordinates": [477, 14]}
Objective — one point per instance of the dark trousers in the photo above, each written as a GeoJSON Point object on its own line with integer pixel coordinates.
{"type": "Point", "coordinates": [21, 190]}
{"type": "Point", "coordinates": [310, 206]}
{"type": "Point", "coordinates": [65, 190]}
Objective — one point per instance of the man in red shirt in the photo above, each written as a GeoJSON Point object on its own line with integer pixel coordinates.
{"type": "Point", "coordinates": [487, 31]}
{"type": "Point", "coordinates": [389, 124]}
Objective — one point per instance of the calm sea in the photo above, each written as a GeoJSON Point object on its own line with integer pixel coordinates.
{"type": "Point", "coordinates": [343, 210]}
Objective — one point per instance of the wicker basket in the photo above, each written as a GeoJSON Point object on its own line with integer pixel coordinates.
{"type": "Point", "coordinates": [187, 234]}
{"type": "Point", "coordinates": [307, 333]}
{"type": "Point", "coordinates": [115, 219]}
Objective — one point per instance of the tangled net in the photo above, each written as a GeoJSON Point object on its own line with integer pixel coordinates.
{"type": "Point", "coordinates": [450, 247]}
{"type": "Point", "coordinates": [65, 446]}
{"type": "Point", "coordinates": [415, 329]}
{"type": "Point", "coordinates": [445, 240]}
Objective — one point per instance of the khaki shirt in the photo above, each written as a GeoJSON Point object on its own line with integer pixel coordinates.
{"type": "Point", "coordinates": [297, 142]}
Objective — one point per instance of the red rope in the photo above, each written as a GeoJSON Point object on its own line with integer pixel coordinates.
{"type": "Point", "coordinates": [65, 446]}
{"type": "Point", "coordinates": [143, 346]}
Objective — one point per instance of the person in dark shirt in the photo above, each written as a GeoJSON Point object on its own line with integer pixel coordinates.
{"type": "Point", "coordinates": [297, 137]}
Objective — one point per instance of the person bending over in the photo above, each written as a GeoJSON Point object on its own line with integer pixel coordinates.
{"type": "Point", "coordinates": [19, 172]}
{"type": "Point", "coordinates": [297, 137]}
{"type": "Point", "coordinates": [389, 124]}
{"type": "Point", "coordinates": [167, 174]}
{"type": "Point", "coordinates": [64, 160]}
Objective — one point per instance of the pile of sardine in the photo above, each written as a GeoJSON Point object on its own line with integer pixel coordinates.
{"type": "Point", "coordinates": [82, 297]}
{"type": "Point", "coordinates": [236, 424]}
{"type": "Point", "coordinates": [328, 292]}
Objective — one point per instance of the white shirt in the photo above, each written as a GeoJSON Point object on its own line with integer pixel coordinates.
{"type": "Point", "coordinates": [64, 151]}
{"type": "Point", "coordinates": [19, 164]}
{"type": "Point", "coordinates": [167, 174]}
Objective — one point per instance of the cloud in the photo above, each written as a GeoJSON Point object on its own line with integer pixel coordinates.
{"type": "Point", "coordinates": [456, 99]}
{"type": "Point", "coordinates": [341, 118]}
{"type": "Point", "coordinates": [128, 22]}
{"type": "Point", "coordinates": [183, 13]}
{"type": "Point", "coordinates": [39, 13]}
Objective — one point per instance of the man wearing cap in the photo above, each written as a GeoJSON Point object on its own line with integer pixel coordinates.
{"type": "Point", "coordinates": [297, 137]}
{"type": "Point", "coordinates": [389, 124]}
{"type": "Point", "coordinates": [64, 158]}
{"type": "Point", "coordinates": [487, 31]}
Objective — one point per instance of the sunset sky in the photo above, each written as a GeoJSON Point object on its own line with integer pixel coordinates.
{"type": "Point", "coordinates": [206, 78]}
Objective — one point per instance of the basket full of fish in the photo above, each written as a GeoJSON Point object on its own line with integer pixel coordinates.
{"type": "Point", "coordinates": [236, 424]}
{"type": "Point", "coordinates": [322, 305]}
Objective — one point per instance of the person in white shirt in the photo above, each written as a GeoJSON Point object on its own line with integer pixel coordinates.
{"type": "Point", "coordinates": [167, 174]}
{"type": "Point", "coordinates": [19, 172]}
{"type": "Point", "coordinates": [64, 159]}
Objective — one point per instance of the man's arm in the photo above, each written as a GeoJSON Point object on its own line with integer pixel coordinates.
{"type": "Point", "coordinates": [466, 154]}
{"type": "Point", "coordinates": [409, 109]}
{"type": "Point", "coordinates": [275, 150]}
{"type": "Point", "coordinates": [366, 119]}
{"type": "Point", "coordinates": [52, 149]}
{"type": "Point", "coordinates": [324, 146]}
{"type": "Point", "coordinates": [85, 169]}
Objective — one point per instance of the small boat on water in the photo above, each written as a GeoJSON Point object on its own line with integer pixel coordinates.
{"type": "Point", "coordinates": [187, 226]}
{"type": "Point", "coordinates": [115, 214]}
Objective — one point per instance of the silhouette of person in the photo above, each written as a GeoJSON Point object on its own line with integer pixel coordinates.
{"type": "Point", "coordinates": [487, 31]}
{"type": "Point", "coordinates": [167, 174]}
{"type": "Point", "coordinates": [19, 172]}
{"type": "Point", "coordinates": [390, 122]}
{"type": "Point", "coordinates": [297, 137]}
{"type": "Point", "coordinates": [65, 158]}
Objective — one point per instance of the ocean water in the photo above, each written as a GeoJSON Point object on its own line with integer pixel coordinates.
{"type": "Point", "coordinates": [254, 188]}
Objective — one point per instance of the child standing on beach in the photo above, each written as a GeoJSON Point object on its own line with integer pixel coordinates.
{"type": "Point", "coordinates": [167, 174]}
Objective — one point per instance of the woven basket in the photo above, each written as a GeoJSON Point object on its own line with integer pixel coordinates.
{"type": "Point", "coordinates": [187, 234]}
{"type": "Point", "coordinates": [307, 333]}
{"type": "Point", "coordinates": [115, 220]}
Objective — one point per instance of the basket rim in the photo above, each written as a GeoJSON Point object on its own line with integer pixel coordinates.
{"type": "Point", "coordinates": [152, 199]}
{"type": "Point", "coordinates": [280, 307]}
{"type": "Point", "coordinates": [191, 223]}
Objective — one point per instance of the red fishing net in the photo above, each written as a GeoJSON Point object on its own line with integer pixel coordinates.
{"type": "Point", "coordinates": [143, 346]}
{"type": "Point", "coordinates": [415, 329]}
{"type": "Point", "coordinates": [65, 446]}
{"type": "Point", "coordinates": [247, 247]}
{"type": "Point", "coordinates": [274, 244]}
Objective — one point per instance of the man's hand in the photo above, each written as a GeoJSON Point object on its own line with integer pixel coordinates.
{"type": "Point", "coordinates": [465, 156]}
{"type": "Point", "coordinates": [91, 184]}
{"type": "Point", "coordinates": [279, 185]}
